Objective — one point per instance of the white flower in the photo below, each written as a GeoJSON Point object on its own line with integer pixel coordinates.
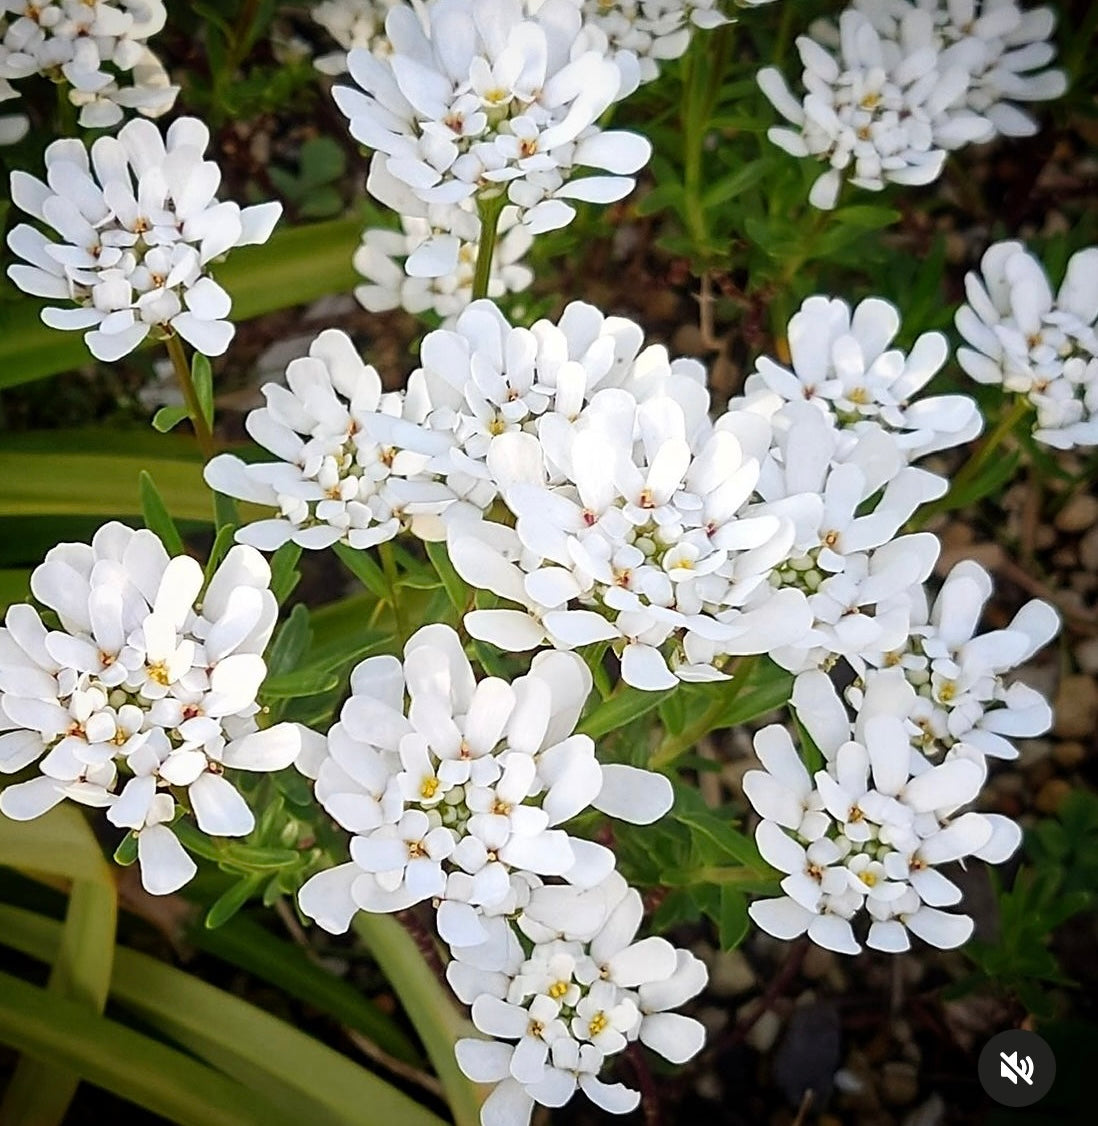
{"type": "Point", "coordinates": [647, 537]}
{"type": "Point", "coordinates": [877, 110]}
{"type": "Point", "coordinates": [1003, 47]}
{"type": "Point", "coordinates": [443, 264]}
{"type": "Point", "coordinates": [140, 225]}
{"type": "Point", "coordinates": [959, 677]}
{"type": "Point", "coordinates": [890, 818]}
{"type": "Point", "coordinates": [480, 99]}
{"type": "Point", "coordinates": [641, 34]}
{"type": "Point", "coordinates": [844, 363]}
{"type": "Point", "coordinates": [557, 1015]}
{"type": "Point", "coordinates": [352, 23]}
{"type": "Point", "coordinates": [92, 48]}
{"type": "Point", "coordinates": [1034, 343]}
{"type": "Point", "coordinates": [339, 477]}
{"type": "Point", "coordinates": [142, 688]}
{"type": "Point", "coordinates": [465, 786]}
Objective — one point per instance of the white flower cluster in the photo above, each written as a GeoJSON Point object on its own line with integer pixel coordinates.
{"type": "Point", "coordinates": [400, 266]}
{"type": "Point", "coordinates": [640, 34]}
{"type": "Point", "coordinates": [352, 23]}
{"type": "Point", "coordinates": [682, 542]}
{"type": "Point", "coordinates": [139, 225]}
{"type": "Point", "coordinates": [150, 684]}
{"type": "Point", "coordinates": [481, 98]}
{"type": "Point", "coordinates": [457, 795]}
{"type": "Point", "coordinates": [864, 835]}
{"type": "Point", "coordinates": [356, 465]}
{"type": "Point", "coordinates": [562, 986]}
{"type": "Point", "coordinates": [958, 677]}
{"type": "Point", "coordinates": [99, 50]}
{"type": "Point", "coordinates": [339, 478]}
{"type": "Point", "coordinates": [899, 83]}
{"type": "Point", "coordinates": [1002, 46]}
{"type": "Point", "coordinates": [1035, 344]}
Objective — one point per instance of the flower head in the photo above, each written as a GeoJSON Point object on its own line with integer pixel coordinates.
{"type": "Point", "coordinates": [877, 109]}
{"type": "Point", "coordinates": [146, 691]}
{"type": "Point", "coordinates": [454, 792]}
{"type": "Point", "coordinates": [1036, 343]}
{"type": "Point", "coordinates": [480, 98]}
{"type": "Point", "coordinates": [99, 50]}
{"type": "Point", "coordinates": [139, 226]}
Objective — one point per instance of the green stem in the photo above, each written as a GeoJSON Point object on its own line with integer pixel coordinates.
{"type": "Point", "coordinates": [673, 747]}
{"type": "Point", "coordinates": [1006, 426]}
{"type": "Point", "coordinates": [182, 368]}
{"type": "Point", "coordinates": [67, 125]}
{"type": "Point", "coordinates": [489, 208]}
{"type": "Point", "coordinates": [392, 576]}
{"type": "Point", "coordinates": [428, 1005]}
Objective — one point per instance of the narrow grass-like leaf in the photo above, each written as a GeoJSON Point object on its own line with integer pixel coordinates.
{"type": "Point", "coordinates": [110, 1055]}
{"type": "Point", "coordinates": [39, 1091]}
{"type": "Point", "coordinates": [275, 1058]}
{"type": "Point", "coordinates": [246, 944]}
{"type": "Point", "coordinates": [156, 516]}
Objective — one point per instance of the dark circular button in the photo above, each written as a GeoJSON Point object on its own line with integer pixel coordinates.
{"type": "Point", "coordinates": [1017, 1068]}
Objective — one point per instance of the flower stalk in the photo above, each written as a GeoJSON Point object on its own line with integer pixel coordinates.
{"type": "Point", "coordinates": [489, 208]}
{"type": "Point", "coordinates": [202, 430]}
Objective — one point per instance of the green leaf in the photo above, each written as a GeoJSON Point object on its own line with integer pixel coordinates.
{"type": "Point", "coordinates": [251, 947]}
{"type": "Point", "coordinates": [733, 924]}
{"type": "Point", "coordinates": [290, 643]}
{"type": "Point", "coordinates": [222, 542]}
{"type": "Point", "coordinates": [231, 901]}
{"type": "Point", "coordinates": [362, 566]}
{"type": "Point", "coordinates": [322, 161]}
{"type": "Point", "coordinates": [294, 685]}
{"type": "Point", "coordinates": [429, 1005]}
{"type": "Point", "coordinates": [62, 483]}
{"type": "Point", "coordinates": [257, 858]}
{"type": "Point", "coordinates": [746, 177]}
{"type": "Point", "coordinates": [14, 586]}
{"type": "Point", "coordinates": [167, 418]}
{"type": "Point", "coordinates": [767, 686]}
{"type": "Point", "coordinates": [202, 378]}
{"type": "Point", "coordinates": [156, 516]}
{"type": "Point", "coordinates": [126, 852]}
{"type": "Point", "coordinates": [285, 1076]}
{"type": "Point", "coordinates": [456, 590]}
{"type": "Point", "coordinates": [40, 1091]}
{"type": "Point", "coordinates": [110, 1055]}
{"type": "Point", "coordinates": [625, 705]}
{"type": "Point", "coordinates": [284, 573]}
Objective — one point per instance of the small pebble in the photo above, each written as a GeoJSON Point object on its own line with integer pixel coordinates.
{"type": "Point", "coordinates": [1086, 653]}
{"type": "Point", "coordinates": [730, 974]}
{"type": "Point", "coordinates": [899, 1082]}
{"type": "Point", "coordinates": [1076, 707]}
{"type": "Point", "coordinates": [1079, 514]}
{"type": "Point", "coordinates": [764, 1031]}
{"type": "Point", "coordinates": [1088, 551]}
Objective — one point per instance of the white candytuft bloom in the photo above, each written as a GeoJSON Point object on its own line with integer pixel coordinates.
{"type": "Point", "coordinates": [959, 676]}
{"type": "Point", "coordinates": [339, 477]}
{"type": "Point", "coordinates": [862, 838]}
{"type": "Point", "coordinates": [641, 34]}
{"type": "Point", "coordinates": [584, 992]}
{"type": "Point", "coordinates": [1002, 46]}
{"type": "Point", "coordinates": [139, 225]}
{"type": "Point", "coordinates": [387, 258]}
{"type": "Point", "coordinates": [877, 110]}
{"type": "Point", "coordinates": [149, 686]}
{"type": "Point", "coordinates": [352, 23]}
{"type": "Point", "coordinates": [845, 363]}
{"type": "Point", "coordinates": [466, 785]}
{"type": "Point", "coordinates": [644, 542]}
{"type": "Point", "coordinates": [1035, 343]}
{"type": "Point", "coordinates": [480, 99]}
{"type": "Point", "coordinates": [99, 50]}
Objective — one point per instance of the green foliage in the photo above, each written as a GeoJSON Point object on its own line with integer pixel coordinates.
{"type": "Point", "coordinates": [1060, 882]}
{"type": "Point", "coordinates": [704, 865]}
{"type": "Point", "coordinates": [312, 191]}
